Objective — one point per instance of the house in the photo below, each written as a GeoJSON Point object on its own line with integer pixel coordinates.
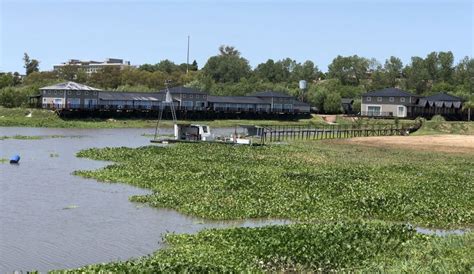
{"type": "Point", "coordinates": [388, 102]}
{"type": "Point", "coordinates": [113, 100]}
{"type": "Point", "coordinates": [72, 96]}
{"type": "Point", "coordinates": [439, 104]}
{"type": "Point", "coordinates": [188, 98]}
{"type": "Point", "coordinates": [69, 95]}
{"type": "Point", "coordinates": [238, 104]}
{"type": "Point", "coordinates": [279, 102]}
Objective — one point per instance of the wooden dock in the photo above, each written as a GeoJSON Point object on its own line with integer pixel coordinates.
{"type": "Point", "coordinates": [280, 133]}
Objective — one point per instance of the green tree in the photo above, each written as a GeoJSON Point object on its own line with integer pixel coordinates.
{"type": "Point", "coordinates": [228, 66]}
{"type": "Point", "coordinates": [68, 72]}
{"type": "Point", "coordinates": [446, 62]}
{"type": "Point", "coordinates": [332, 103]}
{"type": "Point", "coordinates": [417, 75]}
{"type": "Point", "coordinates": [349, 70]}
{"type": "Point", "coordinates": [106, 77]}
{"type": "Point", "coordinates": [6, 80]}
{"type": "Point", "coordinates": [31, 65]}
{"type": "Point", "coordinates": [393, 70]}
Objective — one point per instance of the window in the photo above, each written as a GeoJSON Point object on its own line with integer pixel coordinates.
{"type": "Point", "coordinates": [95, 92]}
{"type": "Point", "coordinates": [69, 92]}
{"type": "Point", "coordinates": [402, 99]}
{"type": "Point", "coordinates": [391, 99]}
{"type": "Point", "coordinates": [78, 92]}
{"type": "Point", "coordinates": [379, 99]}
{"type": "Point", "coordinates": [86, 93]}
{"type": "Point", "coordinates": [373, 110]}
{"type": "Point", "coordinates": [184, 95]}
{"type": "Point", "coordinates": [191, 96]}
{"type": "Point", "coordinates": [369, 99]}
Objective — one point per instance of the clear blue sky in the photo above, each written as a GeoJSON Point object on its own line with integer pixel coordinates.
{"type": "Point", "coordinates": [149, 31]}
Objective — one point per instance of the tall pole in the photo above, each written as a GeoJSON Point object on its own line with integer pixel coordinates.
{"type": "Point", "coordinates": [187, 58]}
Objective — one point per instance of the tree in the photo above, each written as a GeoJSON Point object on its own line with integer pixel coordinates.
{"type": "Point", "coordinates": [417, 75]}
{"type": "Point", "coordinates": [106, 77]}
{"type": "Point", "coordinates": [349, 70]}
{"type": "Point", "coordinates": [228, 51]}
{"type": "Point", "coordinates": [68, 72]}
{"type": "Point", "coordinates": [6, 80]}
{"type": "Point", "coordinates": [332, 103]}
{"type": "Point", "coordinates": [393, 70]}
{"type": "Point", "coordinates": [446, 60]}
{"type": "Point", "coordinates": [30, 65]}
{"type": "Point", "coordinates": [227, 67]}
{"type": "Point", "coordinates": [306, 71]}
{"type": "Point", "coordinates": [194, 66]}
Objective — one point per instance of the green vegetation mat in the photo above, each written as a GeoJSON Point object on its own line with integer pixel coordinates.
{"type": "Point", "coordinates": [347, 246]}
{"type": "Point", "coordinates": [349, 203]}
{"type": "Point", "coordinates": [304, 181]}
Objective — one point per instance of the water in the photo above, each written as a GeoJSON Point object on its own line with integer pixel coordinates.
{"type": "Point", "coordinates": [50, 219]}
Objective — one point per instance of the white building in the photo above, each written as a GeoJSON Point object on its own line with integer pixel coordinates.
{"type": "Point", "coordinates": [93, 66]}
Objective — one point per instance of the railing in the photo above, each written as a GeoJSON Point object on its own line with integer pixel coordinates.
{"type": "Point", "coordinates": [300, 132]}
{"type": "Point", "coordinates": [376, 114]}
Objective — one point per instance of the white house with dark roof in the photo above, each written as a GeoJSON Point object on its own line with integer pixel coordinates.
{"type": "Point", "coordinates": [390, 102]}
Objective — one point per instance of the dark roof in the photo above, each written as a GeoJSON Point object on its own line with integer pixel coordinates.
{"type": "Point", "coordinates": [347, 101]}
{"type": "Point", "coordinates": [388, 92]}
{"type": "Point", "coordinates": [443, 96]}
{"type": "Point", "coordinates": [235, 100]}
{"type": "Point", "coordinates": [269, 93]}
{"type": "Point", "coordinates": [130, 96]}
{"type": "Point", "coordinates": [183, 90]}
{"type": "Point", "coordinates": [440, 100]}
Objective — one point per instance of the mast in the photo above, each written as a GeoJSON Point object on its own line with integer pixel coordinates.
{"type": "Point", "coordinates": [168, 100]}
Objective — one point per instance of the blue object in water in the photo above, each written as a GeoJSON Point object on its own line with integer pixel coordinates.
{"type": "Point", "coordinates": [15, 159]}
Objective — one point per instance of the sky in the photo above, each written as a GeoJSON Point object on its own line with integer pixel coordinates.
{"type": "Point", "coordinates": [146, 31]}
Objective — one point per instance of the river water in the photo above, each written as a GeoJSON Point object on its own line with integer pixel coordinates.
{"type": "Point", "coordinates": [51, 219]}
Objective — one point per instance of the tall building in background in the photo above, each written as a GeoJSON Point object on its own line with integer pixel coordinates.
{"type": "Point", "coordinates": [93, 66]}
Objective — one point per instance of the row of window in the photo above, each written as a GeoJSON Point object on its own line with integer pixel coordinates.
{"type": "Point", "coordinates": [191, 96]}
{"type": "Point", "coordinates": [70, 92]}
{"type": "Point", "coordinates": [390, 99]}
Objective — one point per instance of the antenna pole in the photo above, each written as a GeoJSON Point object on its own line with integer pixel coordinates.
{"type": "Point", "coordinates": [187, 58]}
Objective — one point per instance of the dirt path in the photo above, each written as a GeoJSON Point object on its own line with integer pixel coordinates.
{"type": "Point", "coordinates": [444, 143]}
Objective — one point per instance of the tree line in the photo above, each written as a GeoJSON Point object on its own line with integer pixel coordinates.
{"type": "Point", "coordinates": [229, 73]}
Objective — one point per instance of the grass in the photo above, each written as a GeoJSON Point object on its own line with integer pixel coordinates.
{"type": "Point", "coordinates": [350, 204]}
{"type": "Point", "coordinates": [435, 127]}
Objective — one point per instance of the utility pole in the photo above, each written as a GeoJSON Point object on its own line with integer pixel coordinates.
{"type": "Point", "coordinates": [187, 58]}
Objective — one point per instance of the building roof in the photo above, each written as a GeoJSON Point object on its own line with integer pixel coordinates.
{"type": "Point", "coordinates": [270, 93]}
{"type": "Point", "coordinates": [443, 96]}
{"type": "Point", "coordinates": [388, 92]}
{"type": "Point", "coordinates": [130, 96]}
{"type": "Point", "coordinates": [235, 99]}
{"type": "Point", "coordinates": [68, 86]}
{"type": "Point", "coordinates": [440, 100]}
{"type": "Point", "coordinates": [183, 90]}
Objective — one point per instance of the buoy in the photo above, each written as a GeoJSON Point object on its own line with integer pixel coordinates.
{"type": "Point", "coordinates": [15, 159]}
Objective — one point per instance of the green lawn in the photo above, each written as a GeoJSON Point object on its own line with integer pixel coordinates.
{"type": "Point", "coordinates": [350, 203]}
